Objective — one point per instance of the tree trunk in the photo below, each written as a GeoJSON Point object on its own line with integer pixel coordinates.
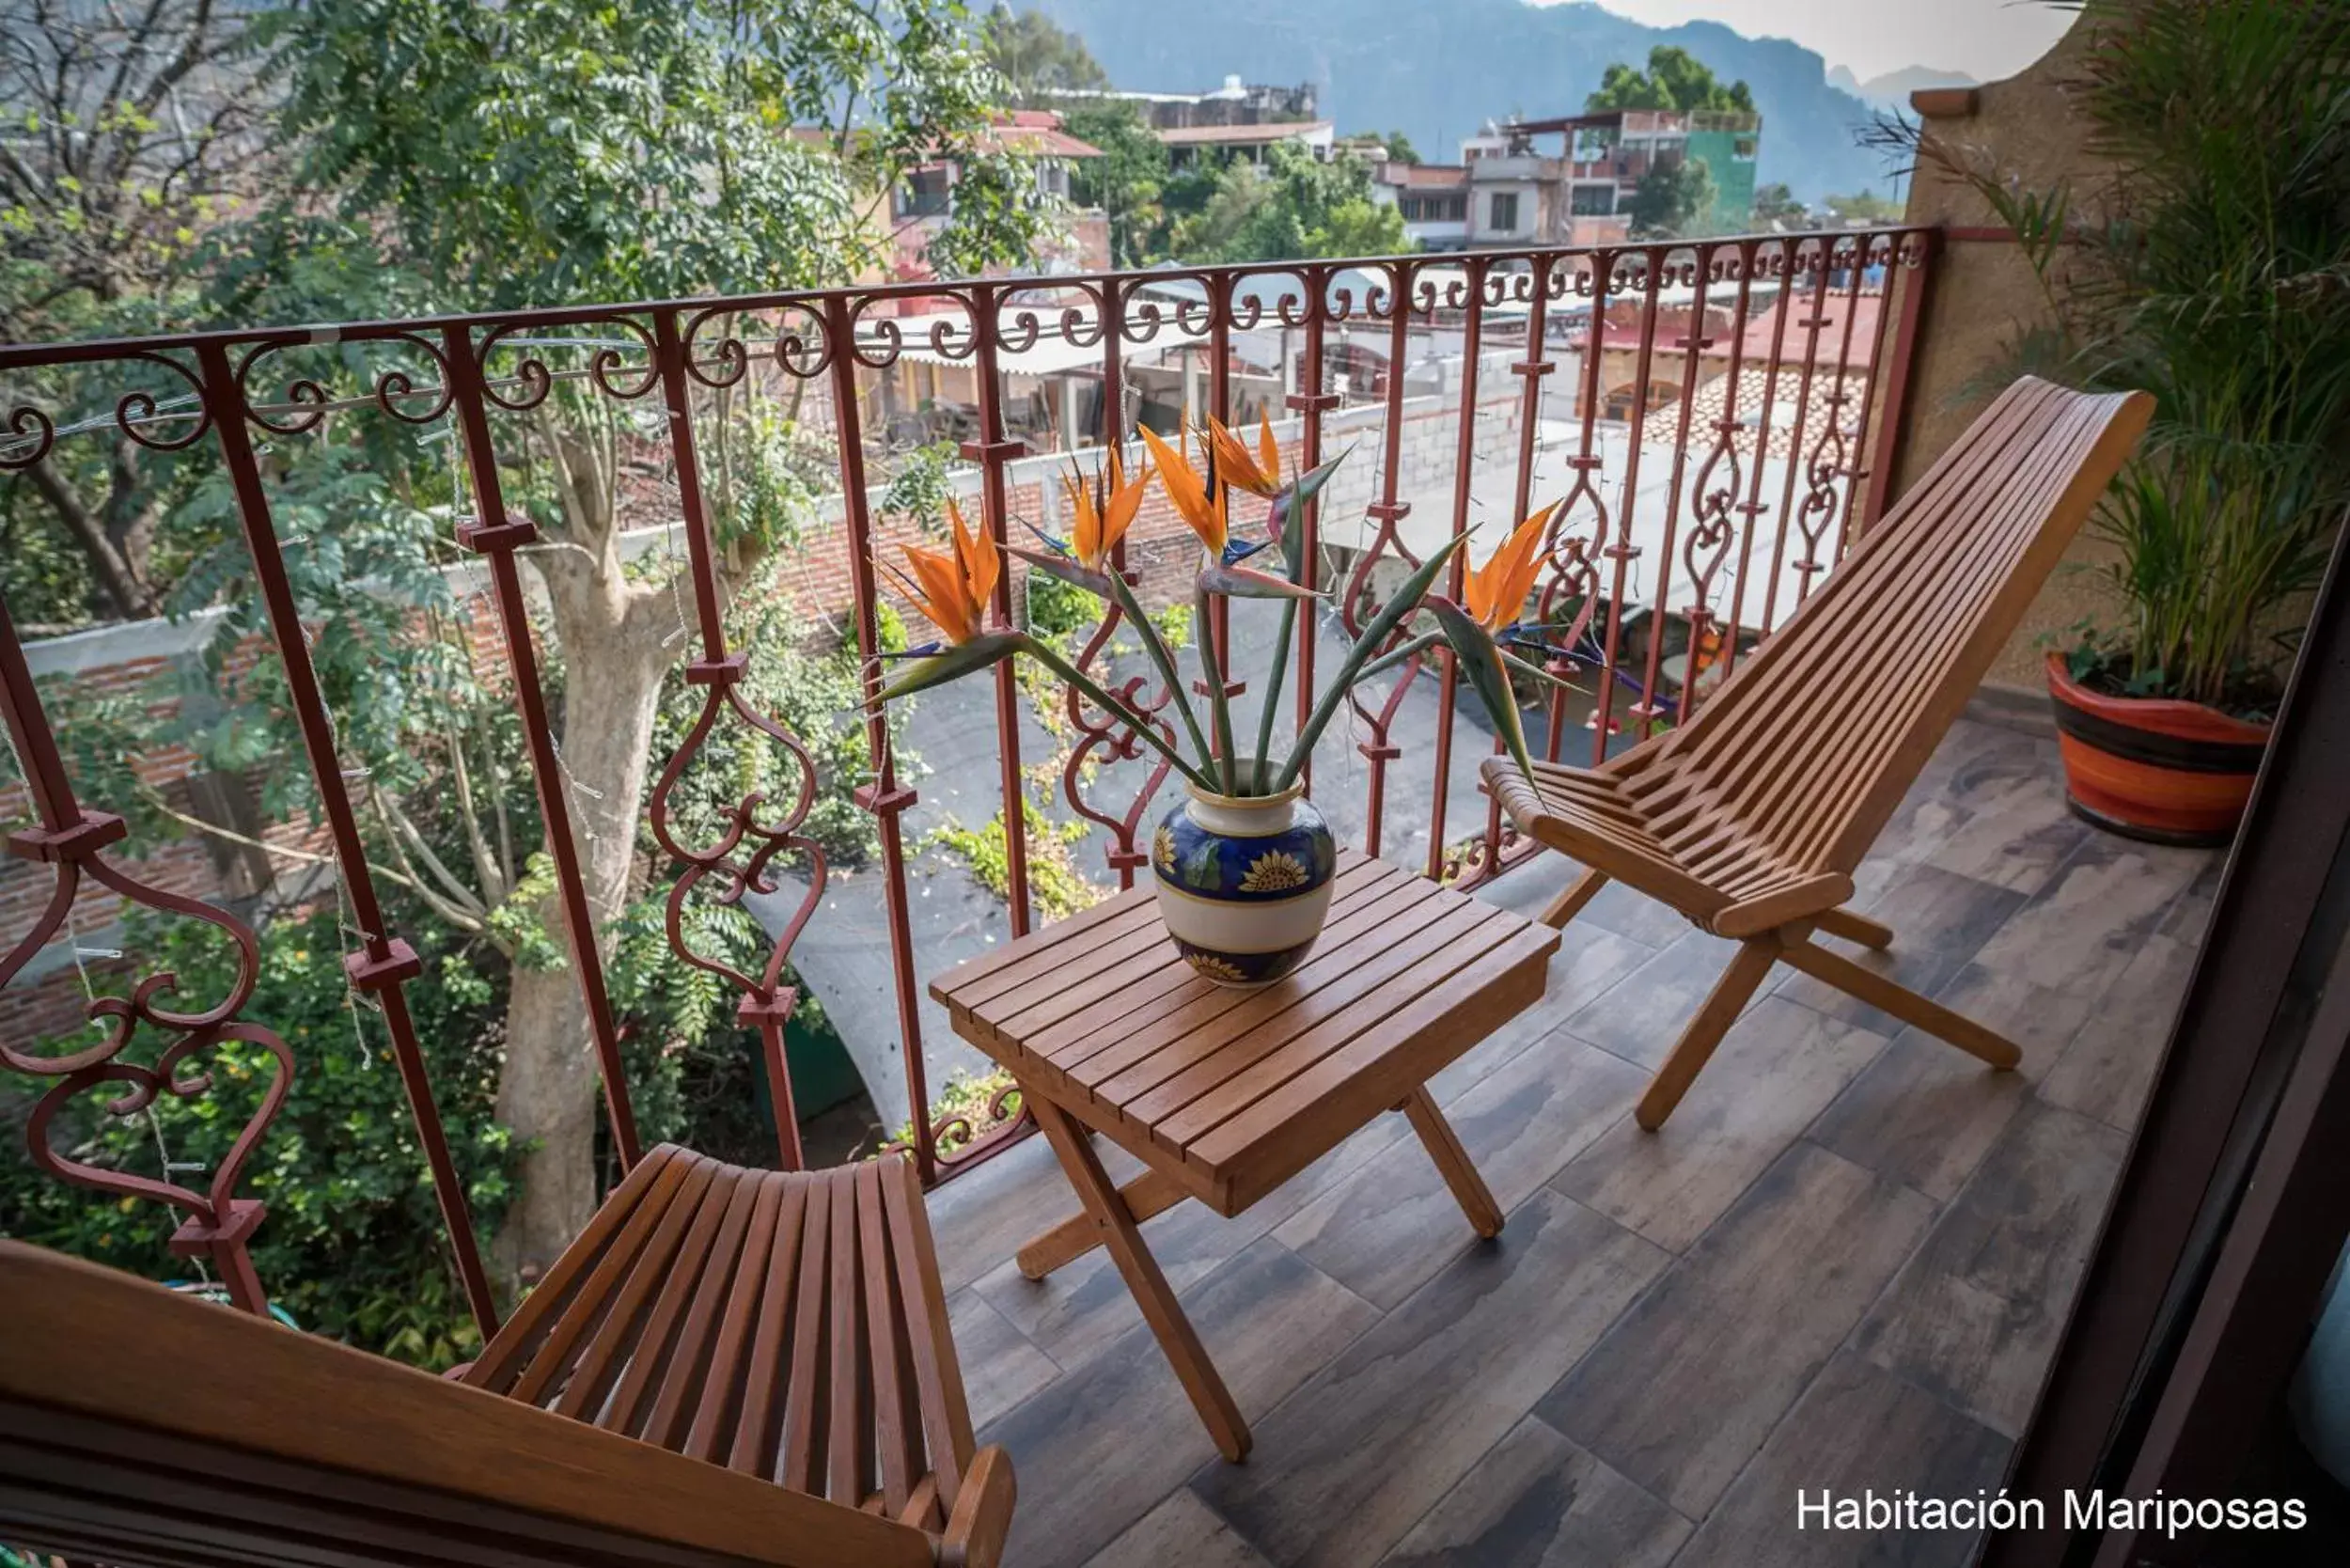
{"type": "Point", "coordinates": [610, 634]}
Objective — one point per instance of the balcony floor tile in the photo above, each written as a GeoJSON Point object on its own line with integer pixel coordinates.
{"type": "Point", "coordinates": [1841, 1264]}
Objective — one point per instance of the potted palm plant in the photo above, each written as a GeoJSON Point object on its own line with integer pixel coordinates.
{"type": "Point", "coordinates": [2216, 274]}
{"type": "Point", "coordinates": [1243, 865]}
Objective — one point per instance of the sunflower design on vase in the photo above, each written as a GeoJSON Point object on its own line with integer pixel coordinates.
{"type": "Point", "coordinates": [1244, 882]}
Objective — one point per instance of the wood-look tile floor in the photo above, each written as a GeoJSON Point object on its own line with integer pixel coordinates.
{"type": "Point", "coordinates": [1842, 1264]}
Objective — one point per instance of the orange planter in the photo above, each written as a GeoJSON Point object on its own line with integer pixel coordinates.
{"type": "Point", "coordinates": [2152, 768]}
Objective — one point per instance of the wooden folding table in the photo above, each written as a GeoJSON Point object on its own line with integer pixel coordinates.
{"type": "Point", "coordinates": [1224, 1094]}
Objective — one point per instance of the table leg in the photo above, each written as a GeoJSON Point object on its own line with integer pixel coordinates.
{"type": "Point", "coordinates": [1452, 1163]}
{"type": "Point", "coordinates": [1153, 1293]}
{"type": "Point", "coordinates": [1147, 1193]}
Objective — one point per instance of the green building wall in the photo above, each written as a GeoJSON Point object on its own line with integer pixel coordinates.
{"type": "Point", "coordinates": [1733, 176]}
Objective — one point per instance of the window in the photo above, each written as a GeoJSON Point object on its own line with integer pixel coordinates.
{"type": "Point", "coordinates": [1052, 179]}
{"type": "Point", "coordinates": [1741, 148]}
{"type": "Point", "coordinates": [1501, 212]}
{"type": "Point", "coordinates": [1587, 201]}
{"type": "Point", "coordinates": [923, 195]}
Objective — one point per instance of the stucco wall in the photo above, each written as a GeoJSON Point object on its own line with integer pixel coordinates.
{"type": "Point", "coordinates": [1984, 291]}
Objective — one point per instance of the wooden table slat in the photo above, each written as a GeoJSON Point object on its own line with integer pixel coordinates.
{"type": "Point", "coordinates": [1089, 1053]}
{"type": "Point", "coordinates": [1123, 977]}
{"type": "Point", "coordinates": [1345, 1090]}
{"type": "Point", "coordinates": [1237, 1079]}
{"type": "Point", "coordinates": [1101, 1013]}
{"type": "Point", "coordinates": [1056, 944]}
{"type": "Point", "coordinates": [1408, 937]}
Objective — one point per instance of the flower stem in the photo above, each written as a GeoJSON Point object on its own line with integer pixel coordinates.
{"type": "Point", "coordinates": [1391, 617]}
{"type": "Point", "coordinates": [1052, 660]}
{"type": "Point", "coordinates": [1162, 656]}
{"type": "Point", "coordinates": [1211, 660]}
{"type": "Point", "coordinates": [1274, 682]}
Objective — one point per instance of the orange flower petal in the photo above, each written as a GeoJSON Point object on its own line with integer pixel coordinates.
{"type": "Point", "coordinates": [942, 584]}
{"type": "Point", "coordinates": [1497, 591]}
{"type": "Point", "coordinates": [1236, 465]}
{"type": "Point", "coordinates": [1084, 533]}
{"type": "Point", "coordinates": [1125, 502]}
{"type": "Point", "coordinates": [1186, 490]}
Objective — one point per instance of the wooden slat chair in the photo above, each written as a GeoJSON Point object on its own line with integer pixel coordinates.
{"type": "Point", "coordinates": [1751, 817]}
{"type": "Point", "coordinates": [733, 1365]}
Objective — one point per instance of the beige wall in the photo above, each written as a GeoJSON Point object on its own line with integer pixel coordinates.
{"type": "Point", "coordinates": [1984, 291]}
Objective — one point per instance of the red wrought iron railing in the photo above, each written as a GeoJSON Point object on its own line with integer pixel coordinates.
{"type": "Point", "coordinates": [1716, 421]}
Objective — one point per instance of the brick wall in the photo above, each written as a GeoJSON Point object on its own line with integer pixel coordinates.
{"type": "Point", "coordinates": [137, 660]}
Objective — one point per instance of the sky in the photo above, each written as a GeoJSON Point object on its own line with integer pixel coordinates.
{"type": "Point", "coordinates": [1985, 39]}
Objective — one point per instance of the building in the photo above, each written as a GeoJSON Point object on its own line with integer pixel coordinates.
{"type": "Point", "coordinates": [1506, 189]}
{"type": "Point", "coordinates": [1605, 155]}
{"type": "Point", "coordinates": [1236, 103]}
{"type": "Point", "coordinates": [924, 200]}
{"type": "Point", "coordinates": [1239, 119]}
{"type": "Point", "coordinates": [1434, 199]}
{"type": "Point", "coordinates": [1224, 144]}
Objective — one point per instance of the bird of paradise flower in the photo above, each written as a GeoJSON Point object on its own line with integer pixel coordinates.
{"type": "Point", "coordinates": [953, 588]}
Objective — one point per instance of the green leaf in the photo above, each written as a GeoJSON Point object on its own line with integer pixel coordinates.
{"type": "Point", "coordinates": [1288, 513]}
{"type": "Point", "coordinates": [951, 664]}
{"type": "Point", "coordinates": [1480, 660]}
{"type": "Point", "coordinates": [1391, 615]}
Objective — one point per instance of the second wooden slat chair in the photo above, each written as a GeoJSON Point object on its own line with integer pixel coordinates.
{"type": "Point", "coordinates": [1751, 817]}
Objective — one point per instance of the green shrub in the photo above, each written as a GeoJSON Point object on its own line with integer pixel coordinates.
{"type": "Point", "coordinates": [352, 1245]}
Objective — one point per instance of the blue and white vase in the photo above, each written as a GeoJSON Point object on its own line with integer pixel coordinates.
{"type": "Point", "coordinates": [1244, 882]}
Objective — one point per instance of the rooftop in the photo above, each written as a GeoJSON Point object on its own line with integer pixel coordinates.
{"type": "Point", "coordinates": [1244, 136]}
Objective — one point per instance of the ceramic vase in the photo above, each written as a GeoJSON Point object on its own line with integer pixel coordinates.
{"type": "Point", "coordinates": [1244, 882]}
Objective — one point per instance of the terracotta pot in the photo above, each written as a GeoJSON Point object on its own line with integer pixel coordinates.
{"type": "Point", "coordinates": [2154, 768]}
{"type": "Point", "coordinates": [1244, 884]}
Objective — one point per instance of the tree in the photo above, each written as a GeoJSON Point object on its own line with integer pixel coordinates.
{"type": "Point", "coordinates": [1126, 180]}
{"type": "Point", "coordinates": [1778, 204]}
{"type": "Point", "coordinates": [537, 153]}
{"type": "Point", "coordinates": [1400, 149]}
{"type": "Point", "coordinates": [1672, 199]}
{"type": "Point", "coordinates": [1040, 62]}
{"type": "Point", "coordinates": [1865, 206]}
{"type": "Point", "coordinates": [1294, 205]}
{"type": "Point", "coordinates": [1675, 80]}
{"type": "Point", "coordinates": [134, 130]}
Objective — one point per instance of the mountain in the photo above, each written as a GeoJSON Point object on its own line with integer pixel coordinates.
{"type": "Point", "coordinates": [1438, 71]}
{"type": "Point", "coordinates": [1893, 89]}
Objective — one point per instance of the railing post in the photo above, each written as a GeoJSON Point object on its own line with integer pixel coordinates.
{"type": "Point", "coordinates": [1622, 551]}
{"type": "Point", "coordinates": [1893, 405]}
{"type": "Point", "coordinates": [1380, 749]}
{"type": "Point", "coordinates": [494, 536]}
{"type": "Point", "coordinates": [993, 451]}
{"type": "Point", "coordinates": [1309, 403]}
{"type": "Point", "coordinates": [1463, 463]}
{"type": "Point", "coordinates": [1107, 735]}
{"type": "Point", "coordinates": [886, 797]}
{"type": "Point", "coordinates": [1753, 507]}
{"type": "Point", "coordinates": [1811, 324]}
{"type": "Point", "coordinates": [766, 1004]}
{"type": "Point", "coordinates": [384, 961]}
{"type": "Point", "coordinates": [1846, 454]}
{"type": "Point", "coordinates": [1693, 345]}
{"type": "Point", "coordinates": [1711, 509]}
